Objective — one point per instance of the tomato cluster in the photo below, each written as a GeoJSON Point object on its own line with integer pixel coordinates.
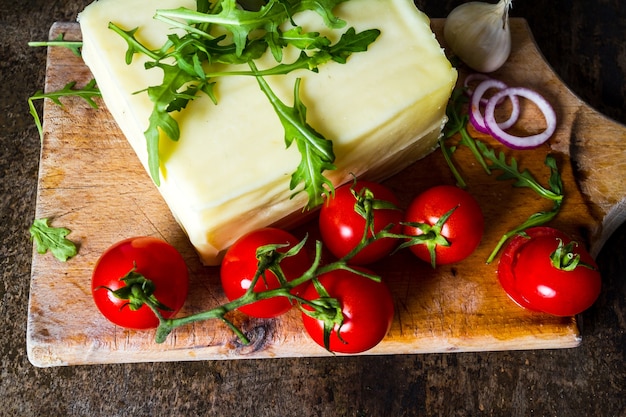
{"type": "Point", "coordinates": [347, 308]}
{"type": "Point", "coordinates": [344, 310]}
{"type": "Point", "coordinates": [443, 225]}
{"type": "Point", "coordinates": [360, 223]}
{"type": "Point", "coordinates": [360, 319]}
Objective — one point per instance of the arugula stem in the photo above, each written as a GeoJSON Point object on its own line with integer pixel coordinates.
{"type": "Point", "coordinates": [525, 179]}
{"type": "Point", "coordinates": [136, 46]}
{"type": "Point", "coordinates": [536, 219]}
{"type": "Point", "coordinates": [457, 123]}
{"type": "Point", "coordinates": [74, 46]}
{"type": "Point", "coordinates": [471, 143]}
{"type": "Point", "coordinates": [447, 155]}
{"type": "Point", "coordinates": [177, 24]}
{"type": "Point", "coordinates": [192, 16]}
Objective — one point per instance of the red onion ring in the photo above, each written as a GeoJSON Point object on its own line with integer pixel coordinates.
{"type": "Point", "coordinates": [475, 115]}
{"type": "Point", "coordinates": [520, 142]}
{"type": "Point", "coordinates": [477, 76]}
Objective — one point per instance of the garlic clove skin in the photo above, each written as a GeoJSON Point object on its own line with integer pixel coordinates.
{"type": "Point", "coordinates": [479, 34]}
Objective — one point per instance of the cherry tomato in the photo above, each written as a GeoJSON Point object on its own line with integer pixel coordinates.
{"type": "Point", "coordinates": [453, 238]}
{"type": "Point", "coordinates": [529, 276]}
{"type": "Point", "coordinates": [342, 227]}
{"type": "Point", "coordinates": [154, 260]}
{"type": "Point", "coordinates": [240, 265]}
{"type": "Point", "coordinates": [366, 306]}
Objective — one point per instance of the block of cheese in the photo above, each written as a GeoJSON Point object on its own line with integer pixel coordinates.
{"type": "Point", "coordinates": [229, 173]}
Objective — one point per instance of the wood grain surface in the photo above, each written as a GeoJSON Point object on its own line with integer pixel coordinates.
{"type": "Point", "coordinates": [91, 182]}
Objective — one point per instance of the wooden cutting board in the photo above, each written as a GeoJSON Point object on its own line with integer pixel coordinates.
{"type": "Point", "coordinates": [91, 182]}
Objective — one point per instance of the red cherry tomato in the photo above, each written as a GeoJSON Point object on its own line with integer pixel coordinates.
{"type": "Point", "coordinates": [240, 265]}
{"type": "Point", "coordinates": [529, 277]}
{"type": "Point", "coordinates": [367, 308]}
{"type": "Point", "coordinates": [342, 227]}
{"type": "Point", "coordinates": [155, 260]}
{"type": "Point", "coordinates": [461, 231]}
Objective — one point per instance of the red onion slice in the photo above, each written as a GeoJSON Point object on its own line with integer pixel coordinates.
{"type": "Point", "coordinates": [475, 114]}
{"type": "Point", "coordinates": [520, 142]}
{"type": "Point", "coordinates": [477, 76]}
{"type": "Point", "coordinates": [515, 112]}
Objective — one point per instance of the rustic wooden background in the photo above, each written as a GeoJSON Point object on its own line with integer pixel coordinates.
{"type": "Point", "coordinates": [582, 39]}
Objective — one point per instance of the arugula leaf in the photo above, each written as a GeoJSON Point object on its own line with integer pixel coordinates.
{"type": "Point", "coordinates": [160, 119]}
{"type": "Point", "coordinates": [554, 182]}
{"type": "Point", "coordinates": [308, 40]}
{"type": "Point", "coordinates": [324, 9]}
{"type": "Point", "coordinates": [352, 42]}
{"type": "Point", "coordinates": [510, 171]}
{"type": "Point", "coordinates": [53, 239]}
{"type": "Point", "coordinates": [318, 150]}
{"type": "Point", "coordinates": [87, 93]}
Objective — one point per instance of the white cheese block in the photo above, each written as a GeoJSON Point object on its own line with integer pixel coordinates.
{"type": "Point", "coordinates": [229, 173]}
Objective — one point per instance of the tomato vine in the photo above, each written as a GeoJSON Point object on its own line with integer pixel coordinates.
{"type": "Point", "coordinates": [270, 258]}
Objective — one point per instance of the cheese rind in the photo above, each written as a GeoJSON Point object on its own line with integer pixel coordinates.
{"type": "Point", "coordinates": [229, 172]}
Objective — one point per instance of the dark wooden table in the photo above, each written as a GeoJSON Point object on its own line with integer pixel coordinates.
{"type": "Point", "coordinates": [582, 39]}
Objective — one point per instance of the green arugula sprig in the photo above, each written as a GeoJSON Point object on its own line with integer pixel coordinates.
{"type": "Point", "coordinates": [510, 171]}
{"type": "Point", "coordinates": [317, 151]}
{"type": "Point", "coordinates": [53, 239]}
{"type": "Point", "coordinates": [187, 71]}
{"type": "Point", "coordinates": [88, 93]}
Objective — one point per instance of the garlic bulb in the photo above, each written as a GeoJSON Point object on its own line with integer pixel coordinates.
{"type": "Point", "coordinates": [479, 34]}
